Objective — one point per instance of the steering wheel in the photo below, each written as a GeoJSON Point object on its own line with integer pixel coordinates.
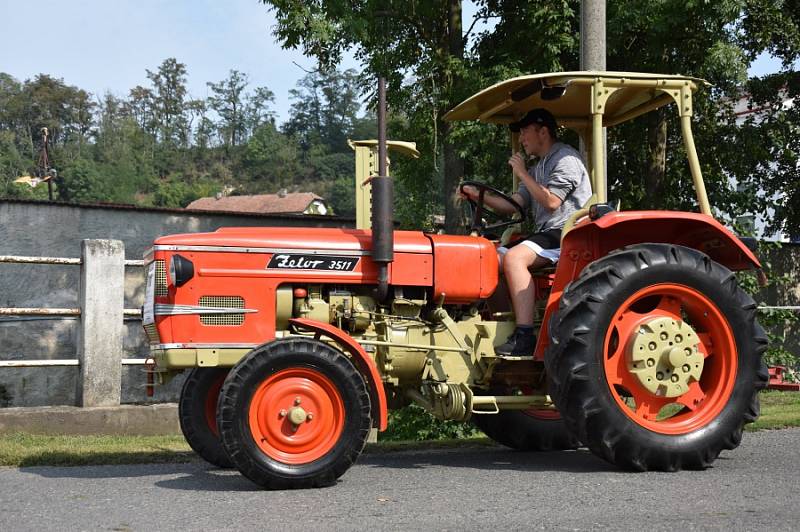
{"type": "Point", "coordinates": [478, 209]}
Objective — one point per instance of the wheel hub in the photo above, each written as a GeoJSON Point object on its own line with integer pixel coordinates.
{"type": "Point", "coordinates": [297, 415]}
{"type": "Point", "coordinates": [664, 356]}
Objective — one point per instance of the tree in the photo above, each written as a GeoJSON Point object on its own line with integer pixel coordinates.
{"type": "Point", "coordinates": [325, 109]}
{"type": "Point", "coordinates": [227, 101]}
{"type": "Point", "coordinates": [168, 101]}
{"type": "Point", "coordinates": [258, 112]}
{"type": "Point", "coordinates": [417, 45]}
{"type": "Point", "coordinates": [81, 182]}
{"type": "Point", "coordinates": [272, 159]}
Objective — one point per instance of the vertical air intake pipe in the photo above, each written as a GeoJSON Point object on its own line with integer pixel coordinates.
{"type": "Point", "coordinates": [382, 204]}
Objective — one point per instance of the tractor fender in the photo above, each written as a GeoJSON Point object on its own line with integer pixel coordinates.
{"type": "Point", "coordinates": [591, 239]}
{"type": "Point", "coordinates": [690, 229]}
{"type": "Point", "coordinates": [361, 359]}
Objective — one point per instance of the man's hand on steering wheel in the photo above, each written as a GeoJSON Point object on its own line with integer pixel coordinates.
{"type": "Point", "coordinates": [476, 193]}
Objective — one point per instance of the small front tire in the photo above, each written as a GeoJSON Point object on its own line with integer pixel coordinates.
{"type": "Point", "coordinates": [294, 413]}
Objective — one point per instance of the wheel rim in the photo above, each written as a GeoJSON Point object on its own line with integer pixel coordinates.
{"type": "Point", "coordinates": [211, 403]}
{"type": "Point", "coordinates": [296, 416]}
{"type": "Point", "coordinates": [690, 397]}
{"type": "Point", "coordinates": [546, 414]}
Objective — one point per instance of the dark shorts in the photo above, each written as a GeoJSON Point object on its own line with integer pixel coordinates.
{"type": "Point", "coordinates": [550, 239]}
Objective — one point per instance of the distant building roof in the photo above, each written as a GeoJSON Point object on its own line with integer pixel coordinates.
{"type": "Point", "coordinates": [283, 203]}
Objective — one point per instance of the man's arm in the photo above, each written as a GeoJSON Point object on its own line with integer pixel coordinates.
{"type": "Point", "coordinates": [541, 194]}
{"type": "Point", "coordinates": [497, 204]}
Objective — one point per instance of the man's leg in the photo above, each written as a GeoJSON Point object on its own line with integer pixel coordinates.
{"type": "Point", "coordinates": [516, 264]}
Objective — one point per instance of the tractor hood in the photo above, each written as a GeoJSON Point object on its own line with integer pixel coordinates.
{"type": "Point", "coordinates": [311, 238]}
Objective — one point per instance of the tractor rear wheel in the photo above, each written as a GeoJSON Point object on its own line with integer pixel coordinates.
{"type": "Point", "coordinates": [655, 358]}
{"type": "Point", "coordinates": [527, 430]}
{"type": "Point", "coordinates": [294, 413]}
{"type": "Point", "coordinates": [197, 412]}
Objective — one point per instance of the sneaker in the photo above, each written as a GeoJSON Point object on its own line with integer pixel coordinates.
{"type": "Point", "coordinates": [520, 344]}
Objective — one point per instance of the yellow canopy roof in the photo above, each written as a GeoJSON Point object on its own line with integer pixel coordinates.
{"type": "Point", "coordinates": [568, 96]}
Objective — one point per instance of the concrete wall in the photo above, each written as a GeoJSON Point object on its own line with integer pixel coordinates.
{"type": "Point", "coordinates": [56, 230]}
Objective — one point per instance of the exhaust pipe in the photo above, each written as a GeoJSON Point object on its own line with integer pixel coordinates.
{"type": "Point", "coordinates": [382, 204]}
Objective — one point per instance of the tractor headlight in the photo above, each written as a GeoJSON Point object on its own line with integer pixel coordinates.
{"type": "Point", "coordinates": [181, 270]}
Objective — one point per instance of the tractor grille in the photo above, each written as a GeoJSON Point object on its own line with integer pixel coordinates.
{"type": "Point", "coordinates": [161, 279]}
{"type": "Point", "coordinates": [152, 333]}
{"type": "Point", "coordinates": [222, 319]}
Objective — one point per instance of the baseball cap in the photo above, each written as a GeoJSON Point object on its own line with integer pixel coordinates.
{"type": "Point", "coordinates": [540, 116]}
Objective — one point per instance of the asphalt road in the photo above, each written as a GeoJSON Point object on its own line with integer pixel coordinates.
{"type": "Point", "coordinates": [754, 487]}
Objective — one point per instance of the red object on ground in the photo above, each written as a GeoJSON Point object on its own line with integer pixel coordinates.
{"type": "Point", "coordinates": [776, 381]}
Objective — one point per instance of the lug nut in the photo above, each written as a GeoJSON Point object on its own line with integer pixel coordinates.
{"type": "Point", "coordinates": [687, 368]}
{"type": "Point", "coordinates": [310, 416]}
{"type": "Point", "coordinates": [651, 362]}
{"type": "Point", "coordinates": [674, 378]}
{"type": "Point", "coordinates": [664, 335]}
{"type": "Point", "coordinates": [678, 338]}
{"type": "Point", "coordinates": [660, 376]}
{"type": "Point", "coordinates": [282, 413]}
{"type": "Point", "coordinates": [296, 400]}
{"type": "Point", "coordinates": [652, 346]}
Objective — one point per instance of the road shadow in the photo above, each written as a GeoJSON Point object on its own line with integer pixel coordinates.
{"type": "Point", "coordinates": [199, 476]}
{"type": "Point", "coordinates": [492, 458]}
{"type": "Point", "coordinates": [195, 475]}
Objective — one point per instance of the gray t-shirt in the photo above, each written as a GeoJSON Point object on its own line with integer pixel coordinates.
{"type": "Point", "coordinates": [563, 173]}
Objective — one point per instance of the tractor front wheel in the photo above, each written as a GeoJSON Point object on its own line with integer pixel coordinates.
{"type": "Point", "coordinates": [197, 412]}
{"type": "Point", "coordinates": [294, 413]}
{"type": "Point", "coordinates": [655, 358]}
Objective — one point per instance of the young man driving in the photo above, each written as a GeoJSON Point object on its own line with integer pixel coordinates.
{"type": "Point", "coordinates": [553, 188]}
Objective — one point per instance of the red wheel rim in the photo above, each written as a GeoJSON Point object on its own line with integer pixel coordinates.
{"type": "Point", "coordinates": [211, 403]}
{"type": "Point", "coordinates": [706, 397]}
{"type": "Point", "coordinates": [273, 416]}
{"type": "Point", "coordinates": [547, 414]}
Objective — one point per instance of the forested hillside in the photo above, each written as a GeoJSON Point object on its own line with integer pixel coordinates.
{"type": "Point", "coordinates": [159, 146]}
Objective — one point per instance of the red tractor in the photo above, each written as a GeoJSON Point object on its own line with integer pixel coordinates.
{"type": "Point", "coordinates": [297, 340]}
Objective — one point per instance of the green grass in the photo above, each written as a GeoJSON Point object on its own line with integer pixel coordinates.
{"type": "Point", "coordinates": [778, 410]}
{"type": "Point", "coordinates": [23, 450]}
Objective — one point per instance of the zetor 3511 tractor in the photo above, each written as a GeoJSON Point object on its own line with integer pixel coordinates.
{"type": "Point", "coordinates": [298, 340]}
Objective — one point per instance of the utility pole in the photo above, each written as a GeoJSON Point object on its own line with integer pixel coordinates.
{"type": "Point", "coordinates": [593, 49]}
{"type": "Point", "coordinates": [593, 35]}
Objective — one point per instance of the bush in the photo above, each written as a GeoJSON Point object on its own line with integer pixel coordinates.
{"type": "Point", "coordinates": [776, 322]}
{"type": "Point", "coordinates": [413, 423]}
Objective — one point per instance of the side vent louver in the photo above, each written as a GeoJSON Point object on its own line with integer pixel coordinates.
{"type": "Point", "coordinates": [222, 302]}
{"type": "Point", "coordinates": [161, 279]}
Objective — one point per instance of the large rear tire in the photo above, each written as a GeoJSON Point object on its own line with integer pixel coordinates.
{"type": "Point", "coordinates": [197, 411]}
{"type": "Point", "coordinates": [655, 358]}
{"type": "Point", "coordinates": [294, 413]}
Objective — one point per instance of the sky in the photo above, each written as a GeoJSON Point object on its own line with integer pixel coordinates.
{"type": "Point", "coordinates": [106, 45]}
